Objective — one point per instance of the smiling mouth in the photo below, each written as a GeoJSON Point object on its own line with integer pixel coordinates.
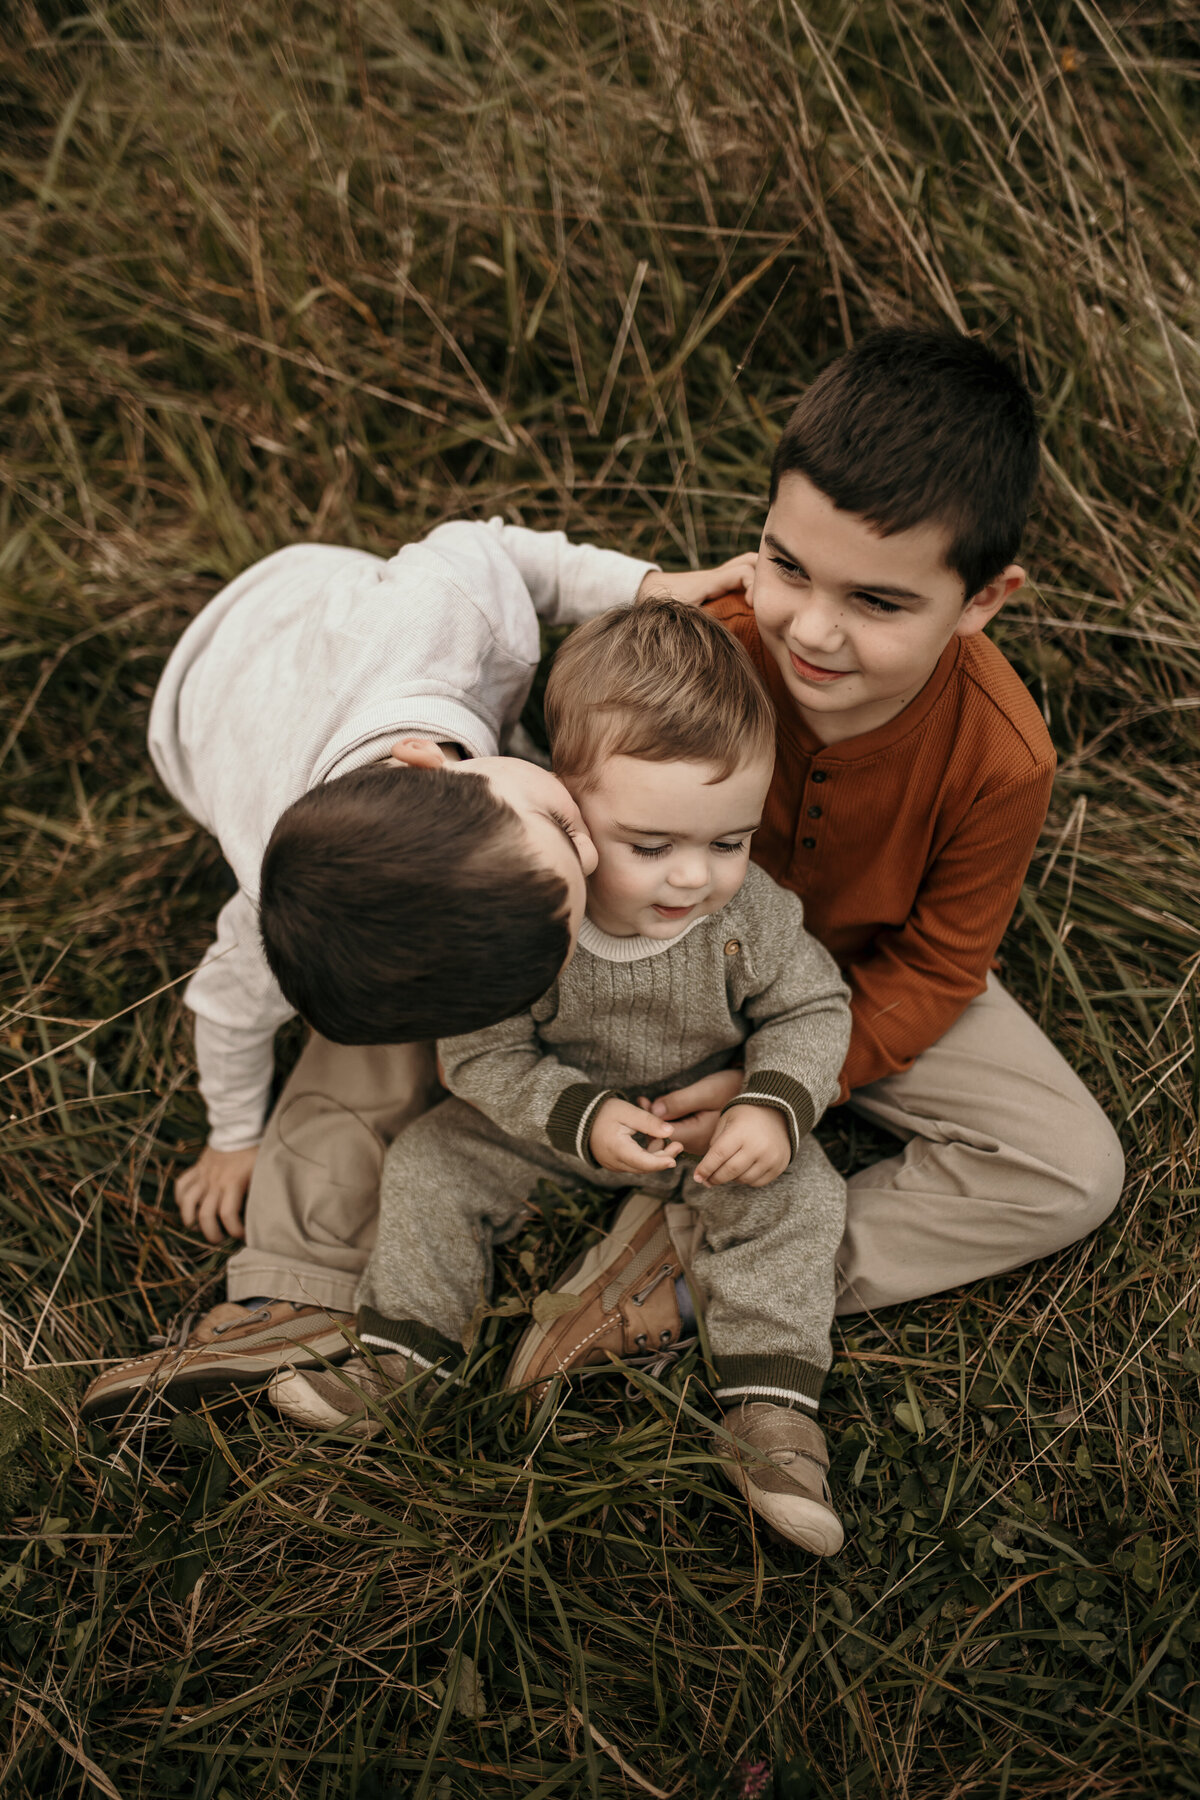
{"type": "Point", "coordinates": [673, 912]}
{"type": "Point", "coordinates": [810, 672]}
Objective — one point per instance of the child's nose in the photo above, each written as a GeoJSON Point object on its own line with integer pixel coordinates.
{"type": "Point", "coordinates": [689, 871]}
{"type": "Point", "coordinates": [816, 624]}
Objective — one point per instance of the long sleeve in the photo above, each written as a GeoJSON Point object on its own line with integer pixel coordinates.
{"type": "Point", "coordinates": [238, 1010]}
{"type": "Point", "coordinates": [506, 1072]}
{"type": "Point", "coordinates": [568, 582]}
{"type": "Point", "coordinates": [914, 982]}
{"type": "Point", "coordinates": [797, 1003]}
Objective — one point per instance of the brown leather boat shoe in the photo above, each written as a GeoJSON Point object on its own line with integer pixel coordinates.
{"type": "Point", "coordinates": [625, 1307]}
{"type": "Point", "coordinates": [228, 1350]}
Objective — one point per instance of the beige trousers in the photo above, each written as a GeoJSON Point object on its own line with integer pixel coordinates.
{"type": "Point", "coordinates": [1006, 1157]}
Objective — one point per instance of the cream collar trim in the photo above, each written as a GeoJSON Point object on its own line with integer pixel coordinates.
{"type": "Point", "coordinates": [629, 949]}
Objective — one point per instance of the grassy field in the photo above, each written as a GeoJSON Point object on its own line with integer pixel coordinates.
{"type": "Point", "coordinates": [339, 271]}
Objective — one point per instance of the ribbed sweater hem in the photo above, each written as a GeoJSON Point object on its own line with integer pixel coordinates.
{"type": "Point", "coordinates": [770, 1087]}
{"type": "Point", "coordinates": [425, 1346]}
{"type": "Point", "coordinates": [571, 1118]}
{"type": "Point", "coordinates": [779, 1380]}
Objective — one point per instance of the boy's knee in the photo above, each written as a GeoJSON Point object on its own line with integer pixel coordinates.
{"type": "Point", "coordinates": [1092, 1177]}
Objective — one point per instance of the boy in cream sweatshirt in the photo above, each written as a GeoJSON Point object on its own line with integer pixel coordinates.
{"type": "Point", "coordinates": [687, 960]}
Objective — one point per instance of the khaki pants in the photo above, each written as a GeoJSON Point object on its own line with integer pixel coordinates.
{"type": "Point", "coordinates": [1006, 1158]}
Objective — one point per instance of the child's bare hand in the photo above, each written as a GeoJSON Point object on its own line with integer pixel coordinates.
{"type": "Point", "coordinates": [210, 1194]}
{"type": "Point", "coordinates": [694, 585]}
{"type": "Point", "coordinates": [694, 1112]}
{"type": "Point", "coordinates": [751, 1145]}
{"type": "Point", "coordinates": [612, 1141]}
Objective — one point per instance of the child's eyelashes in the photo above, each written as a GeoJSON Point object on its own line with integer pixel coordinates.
{"type": "Point", "coordinates": [564, 824]}
{"type": "Point", "coordinates": [722, 846]}
{"type": "Point", "coordinates": [873, 602]}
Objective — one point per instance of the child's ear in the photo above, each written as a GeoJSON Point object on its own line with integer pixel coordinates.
{"type": "Point", "coordinates": [982, 607]}
{"type": "Point", "coordinates": [419, 753]}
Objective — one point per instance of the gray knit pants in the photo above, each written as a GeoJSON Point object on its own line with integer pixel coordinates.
{"type": "Point", "coordinates": [454, 1183]}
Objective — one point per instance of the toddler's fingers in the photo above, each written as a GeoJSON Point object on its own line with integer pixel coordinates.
{"type": "Point", "coordinates": [651, 1126]}
{"type": "Point", "coordinates": [645, 1162]}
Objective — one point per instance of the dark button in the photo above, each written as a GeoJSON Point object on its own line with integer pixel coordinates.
{"type": "Point", "coordinates": [814, 812]}
{"type": "Point", "coordinates": [809, 843]}
{"type": "Point", "coordinates": [819, 775]}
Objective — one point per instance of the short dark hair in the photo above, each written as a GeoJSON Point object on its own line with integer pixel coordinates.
{"type": "Point", "coordinates": [660, 681]}
{"type": "Point", "coordinates": [400, 903]}
{"type": "Point", "coordinates": [914, 427]}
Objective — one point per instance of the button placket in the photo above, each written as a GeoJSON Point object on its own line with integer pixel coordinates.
{"type": "Point", "coordinates": [814, 810]}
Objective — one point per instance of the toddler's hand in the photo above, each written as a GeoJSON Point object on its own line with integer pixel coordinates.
{"type": "Point", "coordinates": [612, 1140]}
{"type": "Point", "coordinates": [694, 585]}
{"type": "Point", "coordinates": [751, 1145]}
{"type": "Point", "coordinates": [694, 1111]}
{"type": "Point", "coordinates": [211, 1192]}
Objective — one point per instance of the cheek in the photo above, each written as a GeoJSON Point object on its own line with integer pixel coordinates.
{"type": "Point", "coordinates": [619, 875]}
{"type": "Point", "coordinates": [773, 607]}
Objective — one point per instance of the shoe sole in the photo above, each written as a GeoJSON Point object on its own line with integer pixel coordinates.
{"type": "Point", "coordinates": [583, 1272]}
{"type": "Point", "coordinates": [190, 1388]}
{"type": "Point", "coordinates": [805, 1522]}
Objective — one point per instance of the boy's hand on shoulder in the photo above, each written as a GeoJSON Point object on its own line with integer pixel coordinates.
{"type": "Point", "coordinates": [693, 586]}
{"type": "Point", "coordinates": [613, 1140]}
{"type": "Point", "coordinates": [210, 1194]}
{"type": "Point", "coordinates": [750, 1145]}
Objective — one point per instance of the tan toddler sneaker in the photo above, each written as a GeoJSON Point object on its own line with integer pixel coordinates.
{"type": "Point", "coordinates": [351, 1398]}
{"type": "Point", "coordinates": [780, 1463]}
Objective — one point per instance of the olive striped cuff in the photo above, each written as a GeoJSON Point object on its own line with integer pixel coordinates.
{"type": "Point", "coordinates": [779, 1380]}
{"type": "Point", "coordinates": [770, 1087]}
{"type": "Point", "coordinates": [424, 1346]}
{"type": "Point", "coordinates": [570, 1123]}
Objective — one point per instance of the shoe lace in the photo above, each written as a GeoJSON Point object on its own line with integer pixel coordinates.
{"type": "Point", "coordinates": [655, 1363]}
{"type": "Point", "coordinates": [175, 1334]}
{"type": "Point", "coordinates": [178, 1334]}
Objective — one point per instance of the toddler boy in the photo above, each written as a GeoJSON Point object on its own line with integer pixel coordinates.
{"type": "Point", "coordinates": [910, 786]}
{"type": "Point", "coordinates": [687, 957]}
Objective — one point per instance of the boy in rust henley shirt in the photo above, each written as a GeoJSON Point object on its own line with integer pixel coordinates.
{"type": "Point", "coordinates": [912, 778]}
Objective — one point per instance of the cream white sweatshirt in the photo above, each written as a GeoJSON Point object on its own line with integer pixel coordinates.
{"type": "Point", "coordinates": [311, 664]}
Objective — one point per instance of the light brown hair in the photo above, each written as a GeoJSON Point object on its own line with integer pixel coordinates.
{"type": "Point", "coordinates": [660, 681]}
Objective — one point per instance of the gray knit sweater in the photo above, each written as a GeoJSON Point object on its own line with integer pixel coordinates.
{"type": "Point", "coordinates": [631, 1016]}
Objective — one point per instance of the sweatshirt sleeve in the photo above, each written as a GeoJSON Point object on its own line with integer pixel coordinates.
{"type": "Point", "coordinates": [567, 582]}
{"type": "Point", "coordinates": [915, 981]}
{"type": "Point", "coordinates": [238, 1009]}
{"type": "Point", "coordinates": [507, 1074]}
{"type": "Point", "coordinates": [796, 1002]}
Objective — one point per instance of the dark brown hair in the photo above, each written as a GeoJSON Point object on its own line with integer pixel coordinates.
{"type": "Point", "coordinates": [661, 681]}
{"type": "Point", "coordinates": [914, 427]}
{"type": "Point", "coordinates": [400, 904]}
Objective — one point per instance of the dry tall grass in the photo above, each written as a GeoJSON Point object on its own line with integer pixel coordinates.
{"type": "Point", "coordinates": [342, 270]}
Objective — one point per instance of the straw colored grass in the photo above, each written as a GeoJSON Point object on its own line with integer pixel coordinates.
{"type": "Point", "coordinates": [339, 271]}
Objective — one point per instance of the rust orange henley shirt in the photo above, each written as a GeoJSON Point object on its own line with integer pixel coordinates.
{"type": "Point", "coordinates": [908, 845]}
